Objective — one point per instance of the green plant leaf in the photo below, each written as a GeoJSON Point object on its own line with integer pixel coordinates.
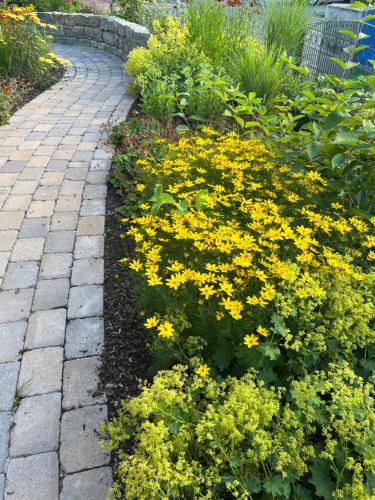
{"type": "Point", "coordinates": [321, 479]}
{"type": "Point", "coordinates": [277, 486]}
{"type": "Point", "coordinates": [270, 350]}
{"type": "Point", "coordinates": [349, 33]}
{"type": "Point", "coordinates": [313, 149]}
{"type": "Point", "coordinates": [235, 462]}
{"type": "Point", "coordinates": [279, 324]}
{"type": "Point", "coordinates": [333, 119]}
{"type": "Point", "coordinates": [252, 483]}
{"type": "Point", "coordinates": [338, 160]}
{"type": "Point", "coordinates": [182, 128]}
{"type": "Point", "coordinates": [368, 18]}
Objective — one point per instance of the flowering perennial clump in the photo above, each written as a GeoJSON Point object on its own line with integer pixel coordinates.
{"type": "Point", "coordinates": [232, 235]}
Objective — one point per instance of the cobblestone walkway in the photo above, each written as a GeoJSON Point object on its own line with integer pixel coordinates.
{"type": "Point", "coordinates": [53, 165]}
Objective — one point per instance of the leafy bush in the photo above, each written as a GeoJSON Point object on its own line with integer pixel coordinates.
{"type": "Point", "coordinates": [284, 25]}
{"type": "Point", "coordinates": [172, 76]}
{"type": "Point", "coordinates": [25, 51]}
{"type": "Point", "coordinates": [201, 438]}
{"type": "Point", "coordinates": [242, 255]}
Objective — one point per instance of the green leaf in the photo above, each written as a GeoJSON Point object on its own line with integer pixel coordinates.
{"type": "Point", "coordinates": [277, 486]}
{"type": "Point", "coordinates": [358, 5]}
{"type": "Point", "coordinates": [279, 324]}
{"type": "Point", "coordinates": [371, 103]}
{"type": "Point", "coordinates": [200, 202]}
{"type": "Point", "coordinates": [349, 33]}
{"type": "Point", "coordinates": [348, 138]}
{"type": "Point", "coordinates": [313, 149]}
{"type": "Point", "coordinates": [321, 479]}
{"type": "Point", "coordinates": [333, 119]}
{"type": "Point", "coordinates": [235, 462]}
{"type": "Point", "coordinates": [354, 50]}
{"type": "Point", "coordinates": [252, 483]}
{"type": "Point", "coordinates": [182, 128]}
{"type": "Point", "coordinates": [270, 350]}
{"type": "Point", "coordinates": [182, 206]}
{"type": "Point", "coordinates": [338, 160]}
{"type": "Point", "coordinates": [223, 355]}
{"type": "Point", "coordinates": [368, 18]}
{"type": "Point", "coordinates": [228, 478]}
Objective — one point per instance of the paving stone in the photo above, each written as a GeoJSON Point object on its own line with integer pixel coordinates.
{"type": "Point", "coordinates": [17, 202]}
{"type": "Point", "coordinates": [4, 439]}
{"type": "Point", "coordinates": [52, 178]}
{"type": "Point", "coordinates": [93, 207]}
{"type": "Point", "coordinates": [56, 265]}
{"type": "Point", "coordinates": [40, 209]}
{"type": "Point", "coordinates": [2, 485]}
{"type": "Point", "coordinates": [81, 383]}
{"type": "Point", "coordinates": [68, 204]}
{"type": "Point", "coordinates": [88, 272]}
{"type": "Point", "coordinates": [80, 442]}
{"type": "Point", "coordinates": [33, 478]}
{"type": "Point", "coordinates": [11, 220]}
{"type": "Point", "coordinates": [36, 425]}
{"type": "Point", "coordinates": [84, 337]}
{"type": "Point", "coordinates": [25, 187]}
{"type": "Point", "coordinates": [45, 193]}
{"type": "Point", "coordinates": [98, 177]}
{"type": "Point", "coordinates": [8, 377]}
{"type": "Point", "coordinates": [51, 294]}
{"type": "Point", "coordinates": [95, 191]}
{"type": "Point", "coordinates": [64, 221]}
{"type": "Point", "coordinates": [7, 179]}
{"type": "Point", "coordinates": [35, 228]}
{"type": "Point", "coordinates": [11, 340]}
{"type": "Point", "coordinates": [46, 328]}
{"type": "Point", "coordinates": [60, 242]}
{"type": "Point", "coordinates": [4, 259]}
{"type": "Point", "coordinates": [28, 249]}
{"type": "Point", "coordinates": [20, 275]}
{"type": "Point", "coordinates": [41, 371]}
{"type": "Point", "coordinates": [88, 247]}
{"type": "Point", "coordinates": [88, 485]}
{"type": "Point", "coordinates": [69, 188]}
{"type": "Point", "coordinates": [7, 240]}
{"type": "Point", "coordinates": [85, 301]}
{"type": "Point", "coordinates": [15, 304]}
{"type": "Point", "coordinates": [90, 226]}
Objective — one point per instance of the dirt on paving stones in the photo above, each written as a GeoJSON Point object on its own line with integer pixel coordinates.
{"type": "Point", "coordinates": [125, 356]}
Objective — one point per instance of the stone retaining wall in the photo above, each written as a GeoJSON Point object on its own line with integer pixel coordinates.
{"type": "Point", "coordinates": [103, 32]}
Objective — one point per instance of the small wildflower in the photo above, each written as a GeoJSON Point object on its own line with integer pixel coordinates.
{"type": "Point", "coordinates": [203, 370]}
{"type": "Point", "coordinates": [251, 340]}
{"type": "Point", "coordinates": [152, 322]}
{"type": "Point", "coordinates": [166, 330]}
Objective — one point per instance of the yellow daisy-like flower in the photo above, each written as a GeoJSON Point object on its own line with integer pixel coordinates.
{"type": "Point", "coordinates": [264, 332]}
{"type": "Point", "coordinates": [140, 187]}
{"type": "Point", "coordinates": [136, 265]}
{"type": "Point", "coordinates": [203, 370]}
{"type": "Point", "coordinates": [152, 322]}
{"type": "Point", "coordinates": [166, 330]}
{"type": "Point", "coordinates": [251, 340]}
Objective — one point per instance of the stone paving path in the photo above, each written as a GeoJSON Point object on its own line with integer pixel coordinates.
{"type": "Point", "coordinates": [53, 166]}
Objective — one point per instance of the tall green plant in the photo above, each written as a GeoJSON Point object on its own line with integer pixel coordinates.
{"type": "Point", "coordinates": [218, 32]}
{"type": "Point", "coordinates": [285, 23]}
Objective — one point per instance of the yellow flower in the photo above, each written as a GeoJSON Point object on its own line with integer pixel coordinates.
{"type": "Point", "coordinates": [166, 330]}
{"type": "Point", "coordinates": [207, 291]}
{"type": "Point", "coordinates": [203, 370]}
{"type": "Point", "coordinates": [136, 265]}
{"type": "Point", "coordinates": [251, 340]}
{"type": "Point", "coordinates": [140, 187]}
{"type": "Point", "coordinates": [152, 322]}
{"type": "Point", "coordinates": [264, 332]}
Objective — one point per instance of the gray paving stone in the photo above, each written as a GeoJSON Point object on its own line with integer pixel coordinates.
{"type": "Point", "coordinates": [15, 304]}
{"type": "Point", "coordinates": [51, 294]}
{"type": "Point", "coordinates": [81, 383]}
{"type": "Point", "coordinates": [36, 425]}
{"type": "Point", "coordinates": [85, 301]}
{"type": "Point", "coordinates": [64, 221]}
{"type": "Point", "coordinates": [33, 478]}
{"type": "Point", "coordinates": [41, 371]}
{"type": "Point", "coordinates": [20, 275]}
{"type": "Point", "coordinates": [2, 485]}
{"type": "Point", "coordinates": [88, 272]}
{"type": "Point", "coordinates": [91, 225]}
{"type": "Point", "coordinates": [7, 240]}
{"type": "Point", "coordinates": [87, 485]}
{"type": "Point", "coordinates": [27, 249]}
{"type": "Point", "coordinates": [89, 247]}
{"type": "Point", "coordinates": [60, 241]}
{"type": "Point", "coordinates": [56, 265]}
{"type": "Point", "coordinates": [95, 191]}
{"type": "Point", "coordinates": [35, 228]}
{"type": "Point", "coordinates": [11, 220]}
{"type": "Point", "coordinates": [8, 377]}
{"type": "Point", "coordinates": [80, 442]}
{"type": "Point", "coordinates": [93, 207]}
{"type": "Point", "coordinates": [11, 340]}
{"type": "Point", "coordinates": [4, 439]}
{"type": "Point", "coordinates": [46, 328]}
{"type": "Point", "coordinates": [84, 337]}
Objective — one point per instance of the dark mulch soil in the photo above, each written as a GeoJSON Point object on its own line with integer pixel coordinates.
{"type": "Point", "coordinates": [125, 356]}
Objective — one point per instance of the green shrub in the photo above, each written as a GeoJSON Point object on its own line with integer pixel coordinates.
{"type": "Point", "coordinates": [200, 438]}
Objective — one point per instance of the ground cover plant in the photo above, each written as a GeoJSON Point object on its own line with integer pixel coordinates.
{"type": "Point", "coordinates": [254, 251]}
{"type": "Point", "coordinates": [27, 65]}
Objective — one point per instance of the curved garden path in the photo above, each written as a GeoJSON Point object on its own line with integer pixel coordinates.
{"type": "Point", "coordinates": [53, 165]}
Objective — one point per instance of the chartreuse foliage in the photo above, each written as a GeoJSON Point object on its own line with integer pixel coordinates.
{"type": "Point", "coordinates": [25, 46]}
{"type": "Point", "coordinates": [201, 438]}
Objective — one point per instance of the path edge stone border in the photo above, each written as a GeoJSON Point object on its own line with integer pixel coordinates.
{"type": "Point", "coordinates": [109, 33]}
